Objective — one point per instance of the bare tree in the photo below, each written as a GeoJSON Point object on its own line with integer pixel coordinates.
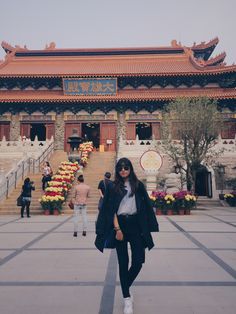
{"type": "Point", "coordinates": [190, 129]}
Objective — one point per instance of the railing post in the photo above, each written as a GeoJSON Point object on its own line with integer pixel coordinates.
{"type": "Point", "coordinates": [23, 170]}
{"type": "Point", "coordinates": [15, 178]}
{"type": "Point", "coordinates": [7, 187]}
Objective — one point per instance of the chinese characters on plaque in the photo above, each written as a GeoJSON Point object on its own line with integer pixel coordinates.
{"type": "Point", "coordinates": [90, 86]}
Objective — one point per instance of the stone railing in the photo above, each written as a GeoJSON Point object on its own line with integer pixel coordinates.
{"type": "Point", "coordinates": [8, 181]}
{"type": "Point", "coordinates": [24, 158]}
{"type": "Point", "coordinates": [133, 148]}
{"type": "Point", "coordinates": [23, 147]}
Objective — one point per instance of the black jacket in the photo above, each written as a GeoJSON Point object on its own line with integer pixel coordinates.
{"type": "Point", "coordinates": [111, 202]}
{"type": "Point", "coordinates": [26, 189]}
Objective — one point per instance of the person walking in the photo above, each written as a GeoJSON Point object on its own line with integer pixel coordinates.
{"type": "Point", "coordinates": [47, 174]}
{"type": "Point", "coordinates": [102, 186]}
{"type": "Point", "coordinates": [26, 193]}
{"type": "Point", "coordinates": [81, 193]}
{"type": "Point", "coordinates": [127, 210]}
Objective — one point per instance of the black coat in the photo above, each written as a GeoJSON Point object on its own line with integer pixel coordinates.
{"type": "Point", "coordinates": [111, 202]}
{"type": "Point", "coordinates": [26, 189]}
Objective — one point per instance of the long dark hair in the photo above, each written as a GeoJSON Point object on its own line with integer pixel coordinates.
{"type": "Point", "coordinates": [26, 181]}
{"type": "Point", "coordinates": [119, 181]}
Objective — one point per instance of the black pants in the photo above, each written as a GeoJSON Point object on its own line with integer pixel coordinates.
{"type": "Point", "coordinates": [45, 180]}
{"type": "Point", "coordinates": [130, 228]}
{"type": "Point", "coordinates": [27, 205]}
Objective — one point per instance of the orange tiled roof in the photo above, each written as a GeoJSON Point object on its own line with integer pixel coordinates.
{"type": "Point", "coordinates": [164, 64]}
{"type": "Point", "coordinates": [123, 95]}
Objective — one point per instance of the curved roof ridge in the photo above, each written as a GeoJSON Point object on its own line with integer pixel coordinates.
{"type": "Point", "coordinates": [9, 48]}
{"type": "Point", "coordinates": [204, 45]}
{"type": "Point", "coordinates": [217, 60]}
{"type": "Point", "coordinates": [213, 63]}
{"type": "Point", "coordinates": [8, 58]}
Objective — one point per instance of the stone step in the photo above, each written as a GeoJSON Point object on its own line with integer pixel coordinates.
{"type": "Point", "coordinates": [98, 164]}
{"type": "Point", "coordinates": [207, 202]}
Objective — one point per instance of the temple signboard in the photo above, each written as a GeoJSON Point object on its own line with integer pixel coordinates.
{"type": "Point", "coordinates": [90, 86]}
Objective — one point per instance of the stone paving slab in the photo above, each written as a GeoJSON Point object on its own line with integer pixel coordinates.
{"type": "Point", "coordinates": [181, 300]}
{"type": "Point", "coordinates": [216, 240]}
{"type": "Point", "coordinates": [43, 300]}
{"type": "Point", "coordinates": [191, 270]}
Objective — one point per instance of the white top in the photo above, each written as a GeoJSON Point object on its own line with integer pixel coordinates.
{"type": "Point", "coordinates": [46, 170]}
{"type": "Point", "coordinates": [128, 204]}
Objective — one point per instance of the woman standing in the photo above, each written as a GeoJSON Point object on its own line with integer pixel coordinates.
{"type": "Point", "coordinates": [27, 188]}
{"type": "Point", "coordinates": [126, 209]}
{"type": "Point", "coordinates": [47, 174]}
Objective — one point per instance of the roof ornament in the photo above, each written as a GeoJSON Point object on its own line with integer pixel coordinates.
{"type": "Point", "coordinates": [17, 47]}
{"type": "Point", "coordinates": [7, 47]}
{"type": "Point", "coordinates": [174, 44]}
{"type": "Point", "coordinates": [51, 46]}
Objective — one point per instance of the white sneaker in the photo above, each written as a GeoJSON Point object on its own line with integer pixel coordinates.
{"type": "Point", "coordinates": [128, 308]}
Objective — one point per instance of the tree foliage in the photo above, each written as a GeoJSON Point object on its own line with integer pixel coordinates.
{"type": "Point", "coordinates": [197, 123]}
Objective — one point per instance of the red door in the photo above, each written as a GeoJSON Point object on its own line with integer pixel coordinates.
{"type": "Point", "coordinates": [108, 136]}
{"type": "Point", "coordinates": [50, 130]}
{"type": "Point", "coordinates": [156, 131]}
{"type": "Point", "coordinates": [131, 131]}
{"type": "Point", "coordinates": [25, 130]}
{"type": "Point", "coordinates": [69, 131]}
{"type": "Point", "coordinates": [5, 131]}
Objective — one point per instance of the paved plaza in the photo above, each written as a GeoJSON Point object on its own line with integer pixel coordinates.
{"type": "Point", "coordinates": [192, 269]}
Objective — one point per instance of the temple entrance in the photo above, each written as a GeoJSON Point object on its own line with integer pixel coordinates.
{"type": "Point", "coordinates": [91, 132]}
{"type": "Point", "coordinates": [42, 130]}
{"type": "Point", "coordinates": [39, 130]}
{"type": "Point", "coordinates": [144, 130]}
{"type": "Point", "coordinates": [203, 184]}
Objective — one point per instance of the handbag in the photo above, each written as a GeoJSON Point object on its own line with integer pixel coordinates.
{"type": "Point", "coordinates": [110, 240]}
{"type": "Point", "coordinates": [19, 200]}
{"type": "Point", "coordinates": [100, 203]}
{"type": "Point", "coordinates": [71, 204]}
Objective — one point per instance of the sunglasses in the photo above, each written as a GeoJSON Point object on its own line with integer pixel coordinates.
{"type": "Point", "coordinates": [120, 168]}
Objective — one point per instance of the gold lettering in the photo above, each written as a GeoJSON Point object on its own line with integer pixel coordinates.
{"type": "Point", "coordinates": [84, 86]}
{"type": "Point", "coordinates": [108, 87]}
{"type": "Point", "coordinates": [73, 86]}
{"type": "Point", "coordinates": [96, 87]}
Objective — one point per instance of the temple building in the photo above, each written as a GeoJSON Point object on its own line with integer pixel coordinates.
{"type": "Point", "coordinates": [107, 94]}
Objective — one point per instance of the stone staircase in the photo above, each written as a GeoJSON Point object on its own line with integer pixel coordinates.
{"type": "Point", "coordinates": [9, 207]}
{"type": "Point", "coordinates": [98, 164]}
{"type": "Point", "coordinates": [205, 202]}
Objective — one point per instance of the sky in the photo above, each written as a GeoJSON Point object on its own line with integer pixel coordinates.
{"type": "Point", "coordinates": [118, 23]}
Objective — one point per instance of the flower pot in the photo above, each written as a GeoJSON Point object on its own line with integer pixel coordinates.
{"type": "Point", "coordinates": [181, 211]}
{"type": "Point", "coordinates": [158, 211]}
{"type": "Point", "coordinates": [56, 212]}
{"type": "Point", "coordinates": [46, 212]}
{"type": "Point", "coordinates": [187, 211]}
{"type": "Point", "coordinates": [169, 212]}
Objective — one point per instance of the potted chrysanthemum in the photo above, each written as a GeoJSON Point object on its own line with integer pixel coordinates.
{"type": "Point", "coordinates": [189, 203]}
{"type": "Point", "coordinates": [169, 201]}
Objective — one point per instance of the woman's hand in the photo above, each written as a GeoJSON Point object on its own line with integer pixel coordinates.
{"type": "Point", "coordinates": [119, 235]}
